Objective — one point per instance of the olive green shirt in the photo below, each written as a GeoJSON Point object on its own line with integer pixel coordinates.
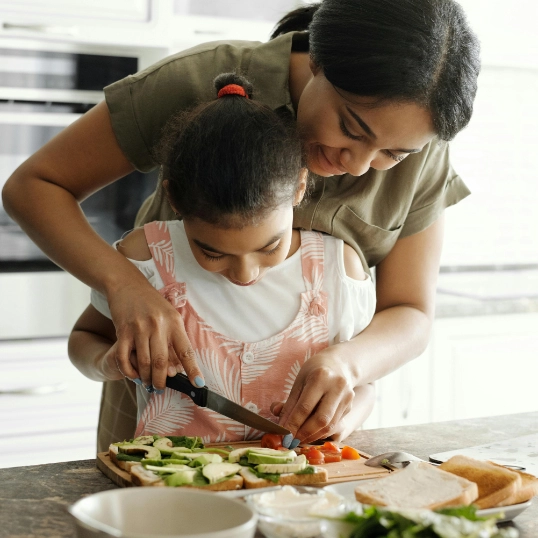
{"type": "Point", "coordinates": [370, 212]}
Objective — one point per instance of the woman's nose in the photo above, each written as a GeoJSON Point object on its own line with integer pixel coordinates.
{"type": "Point", "coordinates": [357, 162]}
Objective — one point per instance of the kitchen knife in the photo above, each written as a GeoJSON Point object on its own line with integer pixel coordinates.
{"type": "Point", "coordinates": [204, 397]}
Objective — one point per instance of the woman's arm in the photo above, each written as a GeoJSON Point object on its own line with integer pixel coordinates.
{"type": "Point", "coordinates": [405, 282]}
{"type": "Point", "coordinates": [43, 196]}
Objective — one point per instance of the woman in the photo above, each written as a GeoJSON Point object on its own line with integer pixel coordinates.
{"type": "Point", "coordinates": [384, 85]}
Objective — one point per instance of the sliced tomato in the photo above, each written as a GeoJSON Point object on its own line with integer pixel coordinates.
{"type": "Point", "coordinates": [315, 456]}
{"type": "Point", "coordinates": [350, 453]}
{"type": "Point", "coordinates": [332, 457]}
{"type": "Point", "coordinates": [329, 447]}
{"type": "Point", "coordinates": [271, 440]}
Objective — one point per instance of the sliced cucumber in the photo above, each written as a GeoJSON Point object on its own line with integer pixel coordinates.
{"type": "Point", "coordinates": [237, 454]}
{"type": "Point", "coordinates": [298, 465]}
{"type": "Point", "coordinates": [173, 468]}
{"type": "Point", "coordinates": [254, 457]}
{"type": "Point", "coordinates": [215, 472]}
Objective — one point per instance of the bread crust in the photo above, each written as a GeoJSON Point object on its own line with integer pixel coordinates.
{"type": "Point", "coordinates": [496, 484]}
{"type": "Point", "coordinates": [142, 477]}
{"type": "Point", "coordinates": [528, 489]}
{"type": "Point", "coordinates": [113, 452]}
{"type": "Point", "coordinates": [251, 481]}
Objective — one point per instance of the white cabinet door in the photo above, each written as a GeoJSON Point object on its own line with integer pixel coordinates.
{"type": "Point", "coordinates": [122, 10]}
{"type": "Point", "coordinates": [485, 366]}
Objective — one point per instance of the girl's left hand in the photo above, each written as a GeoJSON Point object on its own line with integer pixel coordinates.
{"type": "Point", "coordinates": [320, 397]}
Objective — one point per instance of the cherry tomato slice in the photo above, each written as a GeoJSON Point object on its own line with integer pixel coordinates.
{"type": "Point", "coordinates": [329, 447]}
{"type": "Point", "coordinates": [314, 456]}
{"type": "Point", "coordinates": [332, 457]}
{"type": "Point", "coordinates": [271, 440]}
{"type": "Point", "coordinates": [350, 453]}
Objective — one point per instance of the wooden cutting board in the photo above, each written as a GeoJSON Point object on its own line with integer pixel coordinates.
{"type": "Point", "coordinates": [340, 471]}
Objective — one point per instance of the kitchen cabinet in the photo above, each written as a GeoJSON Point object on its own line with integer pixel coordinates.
{"type": "Point", "coordinates": [48, 409]}
{"type": "Point", "coordinates": [473, 367]}
{"type": "Point", "coordinates": [133, 23]}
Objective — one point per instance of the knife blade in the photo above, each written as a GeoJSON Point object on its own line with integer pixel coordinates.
{"type": "Point", "coordinates": [203, 397]}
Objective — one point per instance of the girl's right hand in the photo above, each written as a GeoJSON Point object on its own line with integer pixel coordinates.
{"type": "Point", "coordinates": [151, 327]}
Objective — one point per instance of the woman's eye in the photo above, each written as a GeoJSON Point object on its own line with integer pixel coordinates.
{"type": "Point", "coordinates": [397, 158]}
{"type": "Point", "coordinates": [346, 132]}
{"type": "Point", "coordinates": [210, 257]}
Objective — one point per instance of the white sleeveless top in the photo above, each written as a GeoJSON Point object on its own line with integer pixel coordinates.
{"type": "Point", "coordinates": [254, 313]}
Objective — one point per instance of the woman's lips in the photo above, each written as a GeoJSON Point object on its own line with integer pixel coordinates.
{"type": "Point", "coordinates": [327, 165]}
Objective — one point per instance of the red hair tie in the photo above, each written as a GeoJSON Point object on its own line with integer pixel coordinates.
{"type": "Point", "coordinates": [232, 89]}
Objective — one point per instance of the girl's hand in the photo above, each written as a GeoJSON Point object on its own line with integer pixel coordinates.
{"type": "Point", "coordinates": [320, 397]}
{"type": "Point", "coordinates": [151, 327]}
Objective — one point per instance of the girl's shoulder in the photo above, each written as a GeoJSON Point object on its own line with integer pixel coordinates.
{"type": "Point", "coordinates": [134, 245]}
{"type": "Point", "coordinates": [345, 257]}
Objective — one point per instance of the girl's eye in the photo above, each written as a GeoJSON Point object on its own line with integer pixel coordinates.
{"type": "Point", "coordinates": [397, 158]}
{"type": "Point", "coordinates": [273, 250]}
{"type": "Point", "coordinates": [346, 132]}
{"type": "Point", "coordinates": [211, 258]}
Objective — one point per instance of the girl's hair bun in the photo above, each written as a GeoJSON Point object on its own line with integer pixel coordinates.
{"type": "Point", "coordinates": [233, 78]}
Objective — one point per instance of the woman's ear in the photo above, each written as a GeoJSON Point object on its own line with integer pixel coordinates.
{"type": "Point", "coordinates": [301, 187]}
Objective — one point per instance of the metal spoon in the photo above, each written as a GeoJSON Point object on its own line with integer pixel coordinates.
{"type": "Point", "coordinates": [392, 460]}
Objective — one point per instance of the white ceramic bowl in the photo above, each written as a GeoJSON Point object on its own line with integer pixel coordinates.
{"type": "Point", "coordinates": [163, 512]}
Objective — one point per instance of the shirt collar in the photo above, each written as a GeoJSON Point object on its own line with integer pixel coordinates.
{"type": "Point", "coordinates": [268, 71]}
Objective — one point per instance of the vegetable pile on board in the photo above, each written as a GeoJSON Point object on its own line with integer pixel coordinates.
{"type": "Point", "coordinates": [176, 461]}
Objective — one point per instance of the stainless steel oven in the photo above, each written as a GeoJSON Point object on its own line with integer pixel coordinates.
{"type": "Point", "coordinates": [41, 92]}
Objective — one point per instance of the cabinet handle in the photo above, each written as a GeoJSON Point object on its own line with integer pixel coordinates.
{"type": "Point", "coordinates": [35, 391]}
{"type": "Point", "coordinates": [42, 28]}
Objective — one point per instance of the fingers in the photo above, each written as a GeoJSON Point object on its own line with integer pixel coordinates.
{"type": "Point", "coordinates": [187, 358]}
{"type": "Point", "coordinates": [326, 420]}
{"type": "Point", "coordinates": [276, 408]}
{"type": "Point", "coordinates": [122, 359]}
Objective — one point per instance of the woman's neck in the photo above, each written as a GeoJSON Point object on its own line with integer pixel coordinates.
{"type": "Point", "coordinates": [299, 75]}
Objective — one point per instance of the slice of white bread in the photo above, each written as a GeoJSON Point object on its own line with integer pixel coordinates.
{"type": "Point", "coordinates": [142, 477]}
{"type": "Point", "coordinates": [528, 489]}
{"type": "Point", "coordinates": [251, 481]}
{"type": "Point", "coordinates": [113, 452]}
{"type": "Point", "coordinates": [496, 484]}
{"type": "Point", "coordinates": [419, 485]}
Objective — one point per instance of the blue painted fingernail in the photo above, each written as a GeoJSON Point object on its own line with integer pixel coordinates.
{"type": "Point", "coordinates": [138, 381]}
{"type": "Point", "coordinates": [286, 440]}
{"type": "Point", "coordinates": [150, 389]}
{"type": "Point", "coordinates": [198, 381]}
{"type": "Point", "coordinates": [159, 391]}
{"type": "Point", "coordinates": [295, 443]}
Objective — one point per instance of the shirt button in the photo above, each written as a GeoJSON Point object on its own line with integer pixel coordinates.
{"type": "Point", "coordinates": [247, 357]}
{"type": "Point", "coordinates": [251, 406]}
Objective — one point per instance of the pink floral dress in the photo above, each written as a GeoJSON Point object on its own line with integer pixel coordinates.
{"type": "Point", "coordinates": [253, 375]}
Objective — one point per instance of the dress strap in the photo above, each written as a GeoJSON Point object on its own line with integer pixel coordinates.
{"type": "Point", "coordinates": [312, 259]}
{"type": "Point", "coordinates": [162, 251]}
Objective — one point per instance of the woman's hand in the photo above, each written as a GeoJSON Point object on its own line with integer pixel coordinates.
{"type": "Point", "coordinates": [320, 397]}
{"type": "Point", "coordinates": [151, 327]}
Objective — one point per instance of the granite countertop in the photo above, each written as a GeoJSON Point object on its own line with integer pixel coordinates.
{"type": "Point", "coordinates": [34, 500]}
{"type": "Point", "coordinates": [486, 291]}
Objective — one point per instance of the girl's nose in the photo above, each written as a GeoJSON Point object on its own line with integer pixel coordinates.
{"type": "Point", "coordinates": [245, 272]}
{"type": "Point", "coordinates": [356, 163]}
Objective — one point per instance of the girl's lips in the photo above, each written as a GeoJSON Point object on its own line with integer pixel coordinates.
{"type": "Point", "coordinates": [242, 283]}
{"type": "Point", "coordinates": [326, 164]}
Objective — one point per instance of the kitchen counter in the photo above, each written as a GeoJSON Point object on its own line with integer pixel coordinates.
{"type": "Point", "coordinates": [34, 500]}
{"type": "Point", "coordinates": [487, 292]}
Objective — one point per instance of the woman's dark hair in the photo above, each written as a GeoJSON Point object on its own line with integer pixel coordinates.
{"type": "Point", "coordinates": [230, 161]}
{"type": "Point", "coordinates": [420, 51]}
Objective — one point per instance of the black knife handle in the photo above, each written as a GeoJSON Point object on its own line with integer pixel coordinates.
{"type": "Point", "coordinates": [182, 384]}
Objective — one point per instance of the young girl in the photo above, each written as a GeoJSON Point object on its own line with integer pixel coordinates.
{"type": "Point", "coordinates": [257, 297]}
